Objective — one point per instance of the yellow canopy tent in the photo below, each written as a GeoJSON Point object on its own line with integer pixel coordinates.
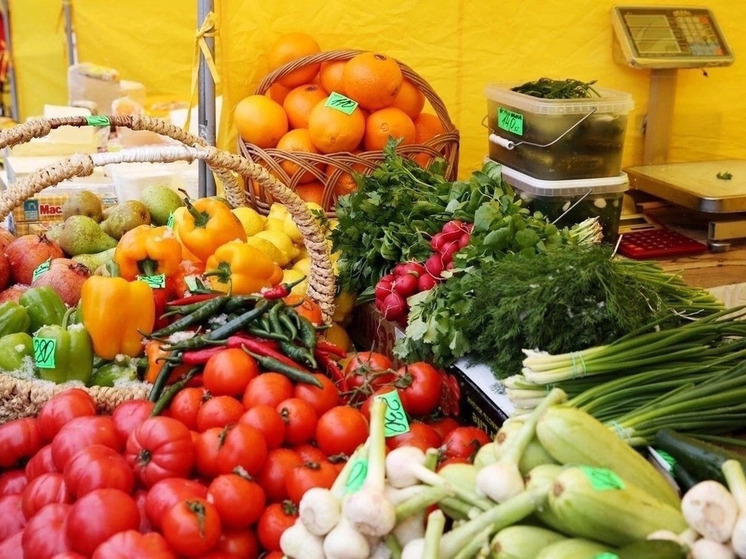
{"type": "Point", "coordinates": [457, 45]}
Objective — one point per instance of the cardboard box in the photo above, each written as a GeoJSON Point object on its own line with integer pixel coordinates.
{"type": "Point", "coordinates": [478, 396]}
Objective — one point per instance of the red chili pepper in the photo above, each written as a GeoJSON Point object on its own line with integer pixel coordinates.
{"type": "Point", "coordinates": [332, 369]}
{"type": "Point", "coordinates": [193, 299]}
{"type": "Point", "coordinates": [281, 289]}
{"type": "Point", "coordinates": [329, 347]}
{"type": "Point", "coordinates": [265, 348]}
{"type": "Point", "coordinates": [200, 356]}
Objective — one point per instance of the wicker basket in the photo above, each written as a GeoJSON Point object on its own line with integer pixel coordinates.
{"type": "Point", "coordinates": [24, 397]}
{"type": "Point", "coordinates": [329, 168]}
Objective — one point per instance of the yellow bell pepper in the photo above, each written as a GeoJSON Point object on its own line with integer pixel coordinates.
{"type": "Point", "coordinates": [207, 224]}
{"type": "Point", "coordinates": [115, 312]}
{"type": "Point", "coordinates": [241, 268]}
{"type": "Point", "coordinates": [148, 251]}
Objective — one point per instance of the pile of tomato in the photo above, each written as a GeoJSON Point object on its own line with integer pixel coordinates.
{"type": "Point", "coordinates": [217, 474]}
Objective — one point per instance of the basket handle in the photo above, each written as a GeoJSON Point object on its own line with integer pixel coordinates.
{"type": "Point", "coordinates": [321, 281]}
{"type": "Point", "coordinates": [38, 128]}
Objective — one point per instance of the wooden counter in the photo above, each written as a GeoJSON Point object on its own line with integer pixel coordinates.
{"type": "Point", "coordinates": [710, 269]}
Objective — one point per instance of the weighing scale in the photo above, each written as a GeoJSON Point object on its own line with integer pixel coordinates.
{"type": "Point", "coordinates": [665, 39]}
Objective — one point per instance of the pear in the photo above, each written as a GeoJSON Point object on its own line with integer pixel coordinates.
{"type": "Point", "coordinates": [96, 259]}
{"type": "Point", "coordinates": [125, 216]}
{"type": "Point", "coordinates": [83, 202]}
{"type": "Point", "coordinates": [54, 232]}
{"type": "Point", "coordinates": [161, 202]}
{"type": "Point", "coordinates": [82, 235]}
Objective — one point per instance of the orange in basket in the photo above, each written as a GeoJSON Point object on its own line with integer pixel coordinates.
{"type": "Point", "coordinates": [297, 140]}
{"type": "Point", "coordinates": [330, 75]}
{"type": "Point", "coordinates": [299, 103]}
{"type": "Point", "coordinates": [333, 130]}
{"type": "Point", "coordinates": [260, 120]}
{"type": "Point", "coordinates": [409, 99]}
{"type": "Point", "coordinates": [385, 123]}
{"type": "Point", "coordinates": [288, 48]}
{"type": "Point", "coordinates": [372, 79]}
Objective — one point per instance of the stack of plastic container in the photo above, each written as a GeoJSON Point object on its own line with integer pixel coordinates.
{"type": "Point", "coordinates": [563, 156]}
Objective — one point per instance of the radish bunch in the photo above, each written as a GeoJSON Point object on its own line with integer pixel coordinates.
{"type": "Point", "coordinates": [408, 278]}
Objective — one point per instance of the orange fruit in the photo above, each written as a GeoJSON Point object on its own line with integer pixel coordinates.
{"type": "Point", "coordinates": [409, 99]}
{"type": "Point", "coordinates": [297, 140]}
{"type": "Point", "coordinates": [372, 79]}
{"type": "Point", "coordinates": [311, 192]}
{"type": "Point", "coordinates": [299, 102]}
{"type": "Point", "coordinates": [290, 47]}
{"type": "Point", "coordinates": [277, 92]}
{"type": "Point", "coordinates": [330, 75]}
{"type": "Point", "coordinates": [260, 120]}
{"type": "Point", "coordinates": [346, 182]}
{"type": "Point", "coordinates": [385, 123]}
{"type": "Point", "coordinates": [427, 126]}
{"type": "Point", "coordinates": [333, 130]}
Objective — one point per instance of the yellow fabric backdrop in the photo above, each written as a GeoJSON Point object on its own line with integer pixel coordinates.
{"type": "Point", "coordinates": [457, 45]}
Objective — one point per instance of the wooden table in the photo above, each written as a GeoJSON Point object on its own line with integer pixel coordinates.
{"type": "Point", "coordinates": [710, 269]}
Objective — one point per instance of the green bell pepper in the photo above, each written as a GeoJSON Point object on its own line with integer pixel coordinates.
{"type": "Point", "coordinates": [63, 352]}
{"type": "Point", "coordinates": [112, 371]}
{"type": "Point", "coordinates": [13, 348]}
{"type": "Point", "coordinates": [13, 318]}
{"type": "Point", "coordinates": [44, 306]}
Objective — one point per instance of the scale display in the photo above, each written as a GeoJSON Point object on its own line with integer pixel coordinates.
{"type": "Point", "coordinates": [669, 37]}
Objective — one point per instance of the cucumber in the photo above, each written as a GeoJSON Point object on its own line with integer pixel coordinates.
{"type": "Point", "coordinates": [652, 549]}
{"type": "Point", "coordinates": [702, 460]}
{"type": "Point", "coordinates": [522, 541]}
{"type": "Point", "coordinates": [575, 548]}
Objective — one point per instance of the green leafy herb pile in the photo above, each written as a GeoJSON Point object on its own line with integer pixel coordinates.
{"type": "Point", "coordinates": [568, 299]}
{"type": "Point", "coordinates": [547, 88]}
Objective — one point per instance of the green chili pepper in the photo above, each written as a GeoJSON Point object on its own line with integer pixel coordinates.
{"type": "Point", "coordinates": [109, 373]}
{"type": "Point", "coordinates": [44, 306]}
{"type": "Point", "coordinates": [13, 348]}
{"type": "Point", "coordinates": [13, 318]}
{"type": "Point", "coordinates": [63, 352]}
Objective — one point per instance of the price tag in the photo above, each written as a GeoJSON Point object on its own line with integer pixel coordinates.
{"type": "Point", "coordinates": [510, 121]}
{"type": "Point", "coordinates": [170, 222]}
{"type": "Point", "coordinates": [664, 459]}
{"type": "Point", "coordinates": [44, 350]}
{"type": "Point", "coordinates": [358, 473]}
{"type": "Point", "coordinates": [191, 282]}
{"type": "Point", "coordinates": [98, 120]}
{"type": "Point", "coordinates": [41, 269]}
{"type": "Point", "coordinates": [155, 282]}
{"type": "Point", "coordinates": [341, 103]}
{"type": "Point", "coordinates": [395, 420]}
{"type": "Point", "coordinates": [602, 479]}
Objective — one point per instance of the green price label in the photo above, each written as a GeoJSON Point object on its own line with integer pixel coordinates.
{"type": "Point", "coordinates": [41, 269]}
{"type": "Point", "coordinates": [98, 120]}
{"type": "Point", "coordinates": [670, 460]}
{"type": "Point", "coordinates": [602, 479]}
{"type": "Point", "coordinates": [395, 420]}
{"type": "Point", "coordinates": [44, 350]}
{"type": "Point", "coordinates": [606, 555]}
{"type": "Point", "coordinates": [191, 283]}
{"type": "Point", "coordinates": [510, 121]}
{"type": "Point", "coordinates": [155, 282]}
{"type": "Point", "coordinates": [170, 222]}
{"type": "Point", "coordinates": [358, 473]}
{"type": "Point", "coordinates": [341, 103]}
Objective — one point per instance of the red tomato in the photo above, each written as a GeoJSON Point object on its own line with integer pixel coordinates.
{"type": "Point", "coordinates": [444, 425]}
{"type": "Point", "coordinates": [219, 411]}
{"type": "Point", "coordinates": [12, 519]}
{"type": "Point", "coordinates": [45, 534]}
{"type": "Point", "coordinates": [275, 519]}
{"type": "Point", "coordinates": [242, 544]}
{"type": "Point", "coordinates": [421, 384]}
{"type": "Point", "coordinates": [300, 420]}
{"type": "Point", "coordinates": [97, 516]}
{"type": "Point", "coordinates": [365, 407]}
{"type": "Point", "coordinates": [464, 442]}
{"type": "Point", "coordinates": [206, 447]}
{"type": "Point", "coordinates": [185, 405]}
{"type": "Point", "coordinates": [140, 496]}
{"type": "Point", "coordinates": [96, 467]}
{"type": "Point", "coordinates": [13, 482]}
{"type": "Point", "coordinates": [160, 448]}
{"type": "Point", "coordinates": [61, 408]}
{"type": "Point", "coordinates": [40, 463]}
{"type": "Point", "coordinates": [268, 388]}
{"type": "Point", "coordinates": [216, 555]}
{"type": "Point", "coordinates": [420, 434]}
{"type": "Point", "coordinates": [309, 452]}
{"type": "Point", "coordinates": [19, 438]}
{"type": "Point", "coordinates": [452, 460]}
{"type": "Point", "coordinates": [229, 372]}
{"type": "Point", "coordinates": [269, 423]}
{"type": "Point", "coordinates": [276, 468]}
{"type": "Point", "coordinates": [322, 399]}
{"type": "Point", "coordinates": [12, 547]}
{"type": "Point", "coordinates": [68, 555]}
{"type": "Point", "coordinates": [274, 555]}
{"type": "Point", "coordinates": [238, 500]}
{"type": "Point", "coordinates": [166, 493]}
{"type": "Point", "coordinates": [129, 415]}
{"type": "Point", "coordinates": [243, 446]}
{"type": "Point", "coordinates": [192, 527]}
{"type": "Point", "coordinates": [131, 543]}
{"type": "Point", "coordinates": [367, 371]}
{"type": "Point", "coordinates": [81, 432]}
{"type": "Point", "coordinates": [45, 489]}
{"type": "Point", "coordinates": [309, 474]}
{"type": "Point", "coordinates": [340, 430]}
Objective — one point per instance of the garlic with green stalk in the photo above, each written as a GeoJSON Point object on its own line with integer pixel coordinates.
{"type": "Point", "coordinates": [710, 510]}
{"type": "Point", "coordinates": [296, 542]}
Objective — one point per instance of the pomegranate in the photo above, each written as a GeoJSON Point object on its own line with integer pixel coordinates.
{"type": "Point", "coordinates": [6, 237]}
{"type": "Point", "coordinates": [66, 277]}
{"type": "Point", "coordinates": [4, 271]}
{"type": "Point", "coordinates": [13, 293]}
{"type": "Point", "coordinates": [26, 253]}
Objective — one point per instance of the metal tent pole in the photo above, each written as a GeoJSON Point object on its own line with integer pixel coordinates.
{"type": "Point", "coordinates": [72, 48]}
{"type": "Point", "coordinates": [14, 110]}
{"type": "Point", "coordinates": [206, 104]}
